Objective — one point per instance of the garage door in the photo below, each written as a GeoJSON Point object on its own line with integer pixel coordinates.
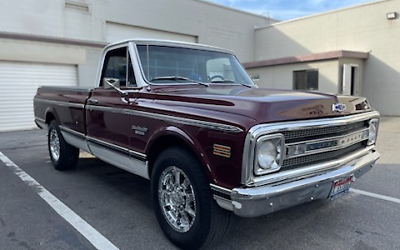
{"type": "Point", "coordinates": [117, 32]}
{"type": "Point", "coordinates": [18, 84]}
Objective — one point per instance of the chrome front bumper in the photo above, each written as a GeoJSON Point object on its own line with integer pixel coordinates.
{"type": "Point", "coordinates": [257, 201]}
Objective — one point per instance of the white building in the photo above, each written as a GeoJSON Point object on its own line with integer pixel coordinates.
{"type": "Point", "coordinates": [58, 42]}
{"type": "Point", "coordinates": [352, 51]}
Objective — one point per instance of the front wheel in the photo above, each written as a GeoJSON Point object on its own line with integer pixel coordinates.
{"type": "Point", "coordinates": [63, 155]}
{"type": "Point", "coordinates": [184, 206]}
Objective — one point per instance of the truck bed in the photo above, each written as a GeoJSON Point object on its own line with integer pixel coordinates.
{"type": "Point", "coordinates": [68, 104]}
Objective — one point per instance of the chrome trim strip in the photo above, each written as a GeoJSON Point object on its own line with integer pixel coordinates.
{"type": "Point", "coordinates": [259, 130]}
{"type": "Point", "coordinates": [61, 103]}
{"type": "Point", "coordinates": [40, 119]}
{"type": "Point", "coordinates": [335, 138]}
{"type": "Point", "coordinates": [120, 160]}
{"type": "Point", "coordinates": [73, 132]}
{"type": "Point", "coordinates": [139, 75]}
{"type": "Point", "coordinates": [75, 140]}
{"type": "Point", "coordinates": [137, 155]}
{"type": "Point", "coordinates": [41, 123]}
{"type": "Point", "coordinates": [86, 90]}
{"type": "Point", "coordinates": [180, 120]}
{"type": "Point", "coordinates": [115, 147]}
{"type": "Point", "coordinates": [220, 189]}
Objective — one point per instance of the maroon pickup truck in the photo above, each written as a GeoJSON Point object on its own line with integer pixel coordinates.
{"type": "Point", "coordinates": [188, 117]}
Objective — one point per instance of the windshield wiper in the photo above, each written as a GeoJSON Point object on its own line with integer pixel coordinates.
{"type": "Point", "coordinates": [246, 85]}
{"type": "Point", "coordinates": [223, 81]}
{"type": "Point", "coordinates": [231, 81]}
{"type": "Point", "coordinates": [178, 78]}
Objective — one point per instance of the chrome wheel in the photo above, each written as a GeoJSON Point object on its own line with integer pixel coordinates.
{"type": "Point", "coordinates": [177, 199]}
{"type": "Point", "coordinates": [54, 145]}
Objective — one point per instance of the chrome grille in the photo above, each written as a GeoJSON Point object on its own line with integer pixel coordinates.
{"type": "Point", "coordinates": [326, 135]}
{"type": "Point", "coordinates": [316, 158]}
{"type": "Point", "coordinates": [318, 133]}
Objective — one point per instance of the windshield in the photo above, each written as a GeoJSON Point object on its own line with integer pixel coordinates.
{"type": "Point", "coordinates": [166, 65]}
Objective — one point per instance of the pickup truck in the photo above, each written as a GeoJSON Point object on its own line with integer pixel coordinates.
{"type": "Point", "coordinates": [189, 118]}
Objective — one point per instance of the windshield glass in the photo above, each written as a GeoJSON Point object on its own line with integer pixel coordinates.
{"type": "Point", "coordinates": [166, 65]}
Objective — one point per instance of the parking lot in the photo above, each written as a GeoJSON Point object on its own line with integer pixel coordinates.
{"type": "Point", "coordinates": [117, 206]}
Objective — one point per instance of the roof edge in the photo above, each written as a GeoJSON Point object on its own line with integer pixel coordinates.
{"type": "Point", "coordinates": [48, 39]}
{"type": "Point", "coordinates": [321, 14]}
{"type": "Point", "coordinates": [308, 58]}
{"type": "Point", "coordinates": [236, 10]}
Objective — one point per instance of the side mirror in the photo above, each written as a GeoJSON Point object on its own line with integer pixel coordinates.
{"type": "Point", "coordinates": [109, 83]}
{"type": "Point", "coordinates": [113, 83]}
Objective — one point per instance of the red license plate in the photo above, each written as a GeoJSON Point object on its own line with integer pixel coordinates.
{"type": "Point", "coordinates": [340, 188]}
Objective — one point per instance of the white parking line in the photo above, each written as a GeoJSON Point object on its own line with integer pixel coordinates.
{"type": "Point", "coordinates": [377, 196]}
{"type": "Point", "coordinates": [91, 234]}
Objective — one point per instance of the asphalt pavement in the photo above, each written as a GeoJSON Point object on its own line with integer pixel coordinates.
{"type": "Point", "coordinates": [118, 205]}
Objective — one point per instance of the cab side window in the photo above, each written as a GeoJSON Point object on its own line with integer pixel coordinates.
{"type": "Point", "coordinates": [117, 65]}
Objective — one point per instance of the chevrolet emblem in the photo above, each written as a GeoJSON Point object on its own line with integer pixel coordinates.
{"type": "Point", "coordinates": [338, 107]}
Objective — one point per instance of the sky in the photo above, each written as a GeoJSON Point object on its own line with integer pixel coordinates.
{"type": "Point", "coordinates": [288, 9]}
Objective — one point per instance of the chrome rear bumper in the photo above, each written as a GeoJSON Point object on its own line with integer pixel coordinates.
{"type": "Point", "coordinates": [257, 201]}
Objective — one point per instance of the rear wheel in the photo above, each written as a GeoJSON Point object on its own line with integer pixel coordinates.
{"type": "Point", "coordinates": [183, 200]}
{"type": "Point", "coordinates": [63, 155]}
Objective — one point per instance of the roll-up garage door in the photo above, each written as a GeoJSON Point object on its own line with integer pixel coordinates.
{"type": "Point", "coordinates": [117, 32]}
{"type": "Point", "coordinates": [18, 84]}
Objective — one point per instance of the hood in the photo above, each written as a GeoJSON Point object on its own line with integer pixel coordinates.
{"type": "Point", "coordinates": [261, 104]}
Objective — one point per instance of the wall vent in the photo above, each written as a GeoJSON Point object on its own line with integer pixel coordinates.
{"type": "Point", "coordinates": [77, 6]}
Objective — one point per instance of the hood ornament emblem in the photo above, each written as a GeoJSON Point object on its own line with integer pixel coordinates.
{"type": "Point", "coordinates": [338, 107]}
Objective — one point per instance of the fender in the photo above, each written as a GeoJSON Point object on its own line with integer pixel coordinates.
{"type": "Point", "coordinates": [52, 111]}
{"type": "Point", "coordinates": [189, 141]}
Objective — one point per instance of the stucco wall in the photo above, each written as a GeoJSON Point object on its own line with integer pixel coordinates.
{"type": "Point", "coordinates": [281, 76]}
{"type": "Point", "coordinates": [363, 28]}
{"type": "Point", "coordinates": [209, 23]}
{"type": "Point", "coordinates": [29, 51]}
{"type": "Point", "coordinates": [213, 25]}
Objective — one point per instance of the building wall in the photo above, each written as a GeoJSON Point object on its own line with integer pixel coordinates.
{"type": "Point", "coordinates": [281, 76]}
{"type": "Point", "coordinates": [94, 20]}
{"type": "Point", "coordinates": [362, 28]}
{"type": "Point", "coordinates": [33, 51]}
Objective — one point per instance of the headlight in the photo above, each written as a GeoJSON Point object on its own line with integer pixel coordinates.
{"type": "Point", "coordinates": [269, 154]}
{"type": "Point", "coordinates": [373, 131]}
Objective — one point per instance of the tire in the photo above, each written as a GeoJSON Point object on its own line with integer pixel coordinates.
{"type": "Point", "coordinates": [62, 155]}
{"type": "Point", "coordinates": [201, 222]}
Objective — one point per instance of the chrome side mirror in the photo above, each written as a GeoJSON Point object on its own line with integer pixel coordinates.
{"type": "Point", "coordinates": [113, 83]}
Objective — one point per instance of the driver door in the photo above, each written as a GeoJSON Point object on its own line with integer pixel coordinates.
{"type": "Point", "coordinates": [108, 122]}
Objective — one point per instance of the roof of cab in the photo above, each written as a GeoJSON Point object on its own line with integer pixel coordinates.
{"type": "Point", "coordinates": [169, 43]}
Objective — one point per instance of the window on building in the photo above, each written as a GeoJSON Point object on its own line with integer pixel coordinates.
{"type": "Point", "coordinates": [305, 79]}
{"type": "Point", "coordinates": [255, 77]}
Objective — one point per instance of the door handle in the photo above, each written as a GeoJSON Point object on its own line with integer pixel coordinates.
{"type": "Point", "coordinates": [92, 101]}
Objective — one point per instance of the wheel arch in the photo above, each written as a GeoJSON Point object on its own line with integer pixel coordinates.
{"type": "Point", "coordinates": [50, 115]}
{"type": "Point", "coordinates": [173, 136]}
